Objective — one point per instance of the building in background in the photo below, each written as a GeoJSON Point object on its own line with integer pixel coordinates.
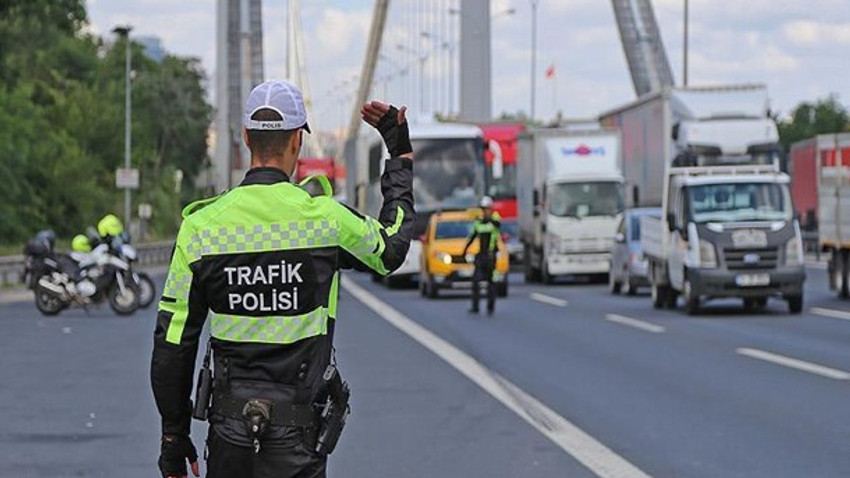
{"type": "Point", "coordinates": [153, 48]}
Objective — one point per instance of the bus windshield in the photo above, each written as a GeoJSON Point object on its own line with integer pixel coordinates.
{"type": "Point", "coordinates": [447, 173]}
{"type": "Point", "coordinates": [504, 187]}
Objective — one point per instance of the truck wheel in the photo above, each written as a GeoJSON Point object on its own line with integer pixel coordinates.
{"type": "Point", "coordinates": [795, 304]}
{"type": "Point", "coordinates": [528, 268]}
{"type": "Point", "coordinates": [613, 284]}
{"type": "Point", "coordinates": [672, 297]}
{"type": "Point", "coordinates": [545, 277]}
{"type": "Point", "coordinates": [657, 296]}
{"type": "Point", "coordinates": [691, 298]}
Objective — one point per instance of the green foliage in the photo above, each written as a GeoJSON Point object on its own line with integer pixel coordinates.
{"type": "Point", "coordinates": [825, 116]}
{"type": "Point", "coordinates": [62, 123]}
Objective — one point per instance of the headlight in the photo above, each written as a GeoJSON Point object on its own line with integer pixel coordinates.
{"type": "Point", "coordinates": [707, 256]}
{"type": "Point", "coordinates": [129, 252]}
{"type": "Point", "coordinates": [794, 252]}
{"type": "Point", "coordinates": [443, 257]}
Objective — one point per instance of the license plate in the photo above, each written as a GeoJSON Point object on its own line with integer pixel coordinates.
{"type": "Point", "coordinates": [752, 280]}
{"type": "Point", "coordinates": [585, 259]}
{"type": "Point", "coordinates": [464, 272]}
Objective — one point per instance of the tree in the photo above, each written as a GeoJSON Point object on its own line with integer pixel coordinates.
{"type": "Point", "coordinates": [62, 123]}
{"type": "Point", "coordinates": [825, 116]}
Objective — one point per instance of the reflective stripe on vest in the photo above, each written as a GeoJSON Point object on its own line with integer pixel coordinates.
{"type": "Point", "coordinates": [270, 329]}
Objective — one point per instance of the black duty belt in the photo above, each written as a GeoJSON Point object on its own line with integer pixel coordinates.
{"type": "Point", "coordinates": [280, 413]}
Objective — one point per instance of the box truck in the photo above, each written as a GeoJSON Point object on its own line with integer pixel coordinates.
{"type": "Point", "coordinates": [820, 186]}
{"type": "Point", "coordinates": [709, 157]}
{"type": "Point", "coordinates": [570, 198]}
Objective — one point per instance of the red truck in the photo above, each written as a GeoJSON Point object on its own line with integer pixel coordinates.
{"type": "Point", "coordinates": [500, 164]}
{"type": "Point", "coordinates": [323, 166]}
{"type": "Point", "coordinates": [820, 190]}
{"type": "Point", "coordinates": [805, 159]}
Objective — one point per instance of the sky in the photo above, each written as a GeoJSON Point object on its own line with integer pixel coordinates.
{"type": "Point", "coordinates": [799, 49]}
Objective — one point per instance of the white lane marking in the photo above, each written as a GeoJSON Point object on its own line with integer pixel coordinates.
{"type": "Point", "coordinates": [638, 324]}
{"type": "Point", "coordinates": [598, 458]}
{"type": "Point", "coordinates": [548, 299]}
{"type": "Point", "coordinates": [797, 364]}
{"type": "Point", "coordinates": [834, 314]}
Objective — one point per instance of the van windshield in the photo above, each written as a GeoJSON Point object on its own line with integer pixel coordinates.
{"type": "Point", "coordinates": [585, 199]}
{"type": "Point", "coordinates": [739, 202]}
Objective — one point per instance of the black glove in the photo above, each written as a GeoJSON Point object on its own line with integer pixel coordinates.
{"type": "Point", "coordinates": [396, 136]}
{"type": "Point", "coordinates": [174, 452]}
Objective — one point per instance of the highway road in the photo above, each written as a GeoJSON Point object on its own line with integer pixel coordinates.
{"type": "Point", "coordinates": [563, 380]}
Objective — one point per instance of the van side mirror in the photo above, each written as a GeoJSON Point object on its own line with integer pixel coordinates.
{"type": "Point", "coordinates": [671, 222]}
{"type": "Point", "coordinates": [619, 238]}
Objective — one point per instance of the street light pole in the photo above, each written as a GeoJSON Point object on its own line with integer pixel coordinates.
{"type": "Point", "coordinates": [533, 56]}
{"type": "Point", "coordinates": [124, 32]}
{"type": "Point", "coordinates": [685, 49]}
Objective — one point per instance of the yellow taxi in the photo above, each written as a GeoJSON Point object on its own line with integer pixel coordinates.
{"type": "Point", "coordinates": [442, 263]}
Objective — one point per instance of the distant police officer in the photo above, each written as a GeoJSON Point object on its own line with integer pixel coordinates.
{"type": "Point", "coordinates": [486, 229]}
{"type": "Point", "coordinates": [264, 260]}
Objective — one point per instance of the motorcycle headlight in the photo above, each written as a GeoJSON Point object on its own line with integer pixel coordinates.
{"type": "Point", "coordinates": [443, 257]}
{"type": "Point", "coordinates": [129, 252]}
{"type": "Point", "coordinates": [794, 252]}
{"type": "Point", "coordinates": [707, 255]}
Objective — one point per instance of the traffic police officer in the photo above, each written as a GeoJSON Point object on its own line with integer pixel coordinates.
{"type": "Point", "coordinates": [264, 260]}
{"type": "Point", "coordinates": [486, 229]}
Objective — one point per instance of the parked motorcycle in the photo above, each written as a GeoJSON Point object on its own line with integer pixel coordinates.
{"type": "Point", "coordinates": [61, 280]}
{"type": "Point", "coordinates": [147, 289]}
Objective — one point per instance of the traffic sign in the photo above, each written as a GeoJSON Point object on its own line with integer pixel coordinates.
{"type": "Point", "coordinates": [145, 211]}
{"type": "Point", "coordinates": [127, 178]}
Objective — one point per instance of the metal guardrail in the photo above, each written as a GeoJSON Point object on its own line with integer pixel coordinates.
{"type": "Point", "coordinates": [150, 254]}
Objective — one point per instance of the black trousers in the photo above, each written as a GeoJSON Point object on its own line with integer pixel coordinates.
{"type": "Point", "coordinates": [291, 460]}
{"type": "Point", "coordinates": [484, 264]}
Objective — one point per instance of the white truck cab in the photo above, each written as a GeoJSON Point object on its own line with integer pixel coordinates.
{"type": "Point", "coordinates": [727, 227]}
{"type": "Point", "coordinates": [570, 200]}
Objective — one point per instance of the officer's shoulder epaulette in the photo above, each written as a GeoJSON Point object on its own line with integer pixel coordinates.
{"type": "Point", "coordinates": [196, 206]}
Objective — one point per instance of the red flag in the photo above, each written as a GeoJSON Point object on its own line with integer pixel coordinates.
{"type": "Point", "coordinates": [550, 72]}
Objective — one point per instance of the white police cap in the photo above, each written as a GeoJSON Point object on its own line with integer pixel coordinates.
{"type": "Point", "coordinates": [282, 97]}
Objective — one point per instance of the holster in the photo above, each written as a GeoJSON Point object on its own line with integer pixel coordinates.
{"type": "Point", "coordinates": [334, 412]}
